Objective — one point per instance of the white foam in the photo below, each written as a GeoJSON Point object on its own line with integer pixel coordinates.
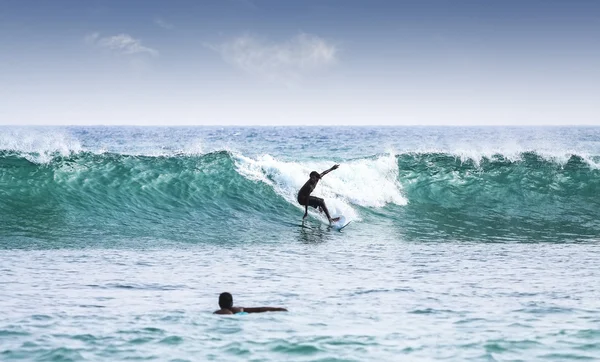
{"type": "Point", "coordinates": [513, 154]}
{"type": "Point", "coordinates": [366, 182]}
{"type": "Point", "coordinates": [193, 148]}
{"type": "Point", "coordinates": [39, 145]}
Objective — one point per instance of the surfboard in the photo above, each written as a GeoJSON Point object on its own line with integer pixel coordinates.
{"type": "Point", "coordinates": [340, 223]}
{"type": "Point", "coordinates": [348, 223]}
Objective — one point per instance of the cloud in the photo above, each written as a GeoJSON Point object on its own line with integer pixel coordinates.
{"type": "Point", "coordinates": [163, 24]}
{"type": "Point", "coordinates": [122, 43]}
{"type": "Point", "coordinates": [285, 62]}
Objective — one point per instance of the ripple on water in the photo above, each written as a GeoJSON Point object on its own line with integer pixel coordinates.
{"type": "Point", "coordinates": [91, 306]}
{"type": "Point", "coordinates": [588, 333]}
{"type": "Point", "coordinates": [544, 310]}
{"type": "Point", "coordinates": [143, 332]}
{"type": "Point", "coordinates": [286, 347]}
{"type": "Point", "coordinates": [588, 347]}
{"type": "Point", "coordinates": [237, 349]}
{"type": "Point", "coordinates": [140, 286]}
{"type": "Point", "coordinates": [141, 340]}
{"type": "Point", "coordinates": [568, 357]}
{"type": "Point", "coordinates": [431, 311]}
{"type": "Point", "coordinates": [470, 320]}
{"type": "Point", "coordinates": [504, 345]}
{"type": "Point", "coordinates": [520, 325]}
{"type": "Point", "coordinates": [60, 354]}
{"type": "Point", "coordinates": [12, 332]}
{"type": "Point", "coordinates": [382, 290]}
{"type": "Point", "coordinates": [14, 355]}
{"type": "Point", "coordinates": [87, 338]}
{"type": "Point", "coordinates": [153, 330]}
{"type": "Point", "coordinates": [172, 340]}
{"type": "Point", "coordinates": [352, 341]}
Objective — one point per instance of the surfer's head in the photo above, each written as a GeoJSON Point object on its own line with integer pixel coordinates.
{"type": "Point", "coordinates": [315, 175]}
{"type": "Point", "coordinates": [225, 301]}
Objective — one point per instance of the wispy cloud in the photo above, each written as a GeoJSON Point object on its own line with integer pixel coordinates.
{"type": "Point", "coordinates": [163, 24]}
{"type": "Point", "coordinates": [122, 43]}
{"type": "Point", "coordinates": [285, 62]}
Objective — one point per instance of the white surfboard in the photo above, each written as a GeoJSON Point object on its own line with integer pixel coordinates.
{"type": "Point", "coordinates": [340, 223]}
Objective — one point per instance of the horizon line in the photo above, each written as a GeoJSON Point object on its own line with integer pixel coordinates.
{"type": "Point", "coordinates": [298, 125]}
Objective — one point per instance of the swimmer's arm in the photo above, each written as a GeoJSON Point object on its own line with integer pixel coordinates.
{"type": "Point", "coordinates": [264, 309]}
{"type": "Point", "coordinates": [328, 171]}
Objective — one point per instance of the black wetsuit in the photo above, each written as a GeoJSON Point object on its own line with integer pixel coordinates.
{"type": "Point", "coordinates": [304, 197]}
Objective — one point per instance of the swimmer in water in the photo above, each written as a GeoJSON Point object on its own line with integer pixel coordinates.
{"type": "Point", "coordinates": [226, 304]}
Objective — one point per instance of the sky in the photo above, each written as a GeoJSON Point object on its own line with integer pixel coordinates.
{"type": "Point", "coordinates": [309, 62]}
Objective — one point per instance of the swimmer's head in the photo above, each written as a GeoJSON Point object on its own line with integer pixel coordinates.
{"type": "Point", "coordinates": [315, 175]}
{"type": "Point", "coordinates": [225, 301]}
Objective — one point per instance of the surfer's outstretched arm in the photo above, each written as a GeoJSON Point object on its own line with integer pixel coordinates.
{"type": "Point", "coordinates": [305, 212]}
{"type": "Point", "coordinates": [328, 171]}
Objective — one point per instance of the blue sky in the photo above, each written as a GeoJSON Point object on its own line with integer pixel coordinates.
{"type": "Point", "coordinates": [254, 62]}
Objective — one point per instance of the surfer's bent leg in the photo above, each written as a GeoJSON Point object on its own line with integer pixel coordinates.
{"type": "Point", "coordinates": [318, 202]}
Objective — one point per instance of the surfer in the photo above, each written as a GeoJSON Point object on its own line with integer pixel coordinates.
{"type": "Point", "coordinates": [226, 304]}
{"type": "Point", "coordinates": [306, 200]}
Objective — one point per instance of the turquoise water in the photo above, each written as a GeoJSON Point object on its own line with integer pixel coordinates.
{"type": "Point", "coordinates": [466, 244]}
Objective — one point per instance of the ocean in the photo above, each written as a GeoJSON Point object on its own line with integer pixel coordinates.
{"type": "Point", "coordinates": [466, 243]}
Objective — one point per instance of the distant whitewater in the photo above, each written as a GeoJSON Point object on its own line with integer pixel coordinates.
{"type": "Point", "coordinates": [77, 189]}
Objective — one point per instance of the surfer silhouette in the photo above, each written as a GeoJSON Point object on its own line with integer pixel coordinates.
{"type": "Point", "coordinates": [306, 200]}
{"type": "Point", "coordinates": [226, 304]}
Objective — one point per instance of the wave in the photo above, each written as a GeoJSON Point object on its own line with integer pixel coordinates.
{"type": "Point", "coordinates": [424, 196]}
{"type": "Point", "coordinates": [522, 197]}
